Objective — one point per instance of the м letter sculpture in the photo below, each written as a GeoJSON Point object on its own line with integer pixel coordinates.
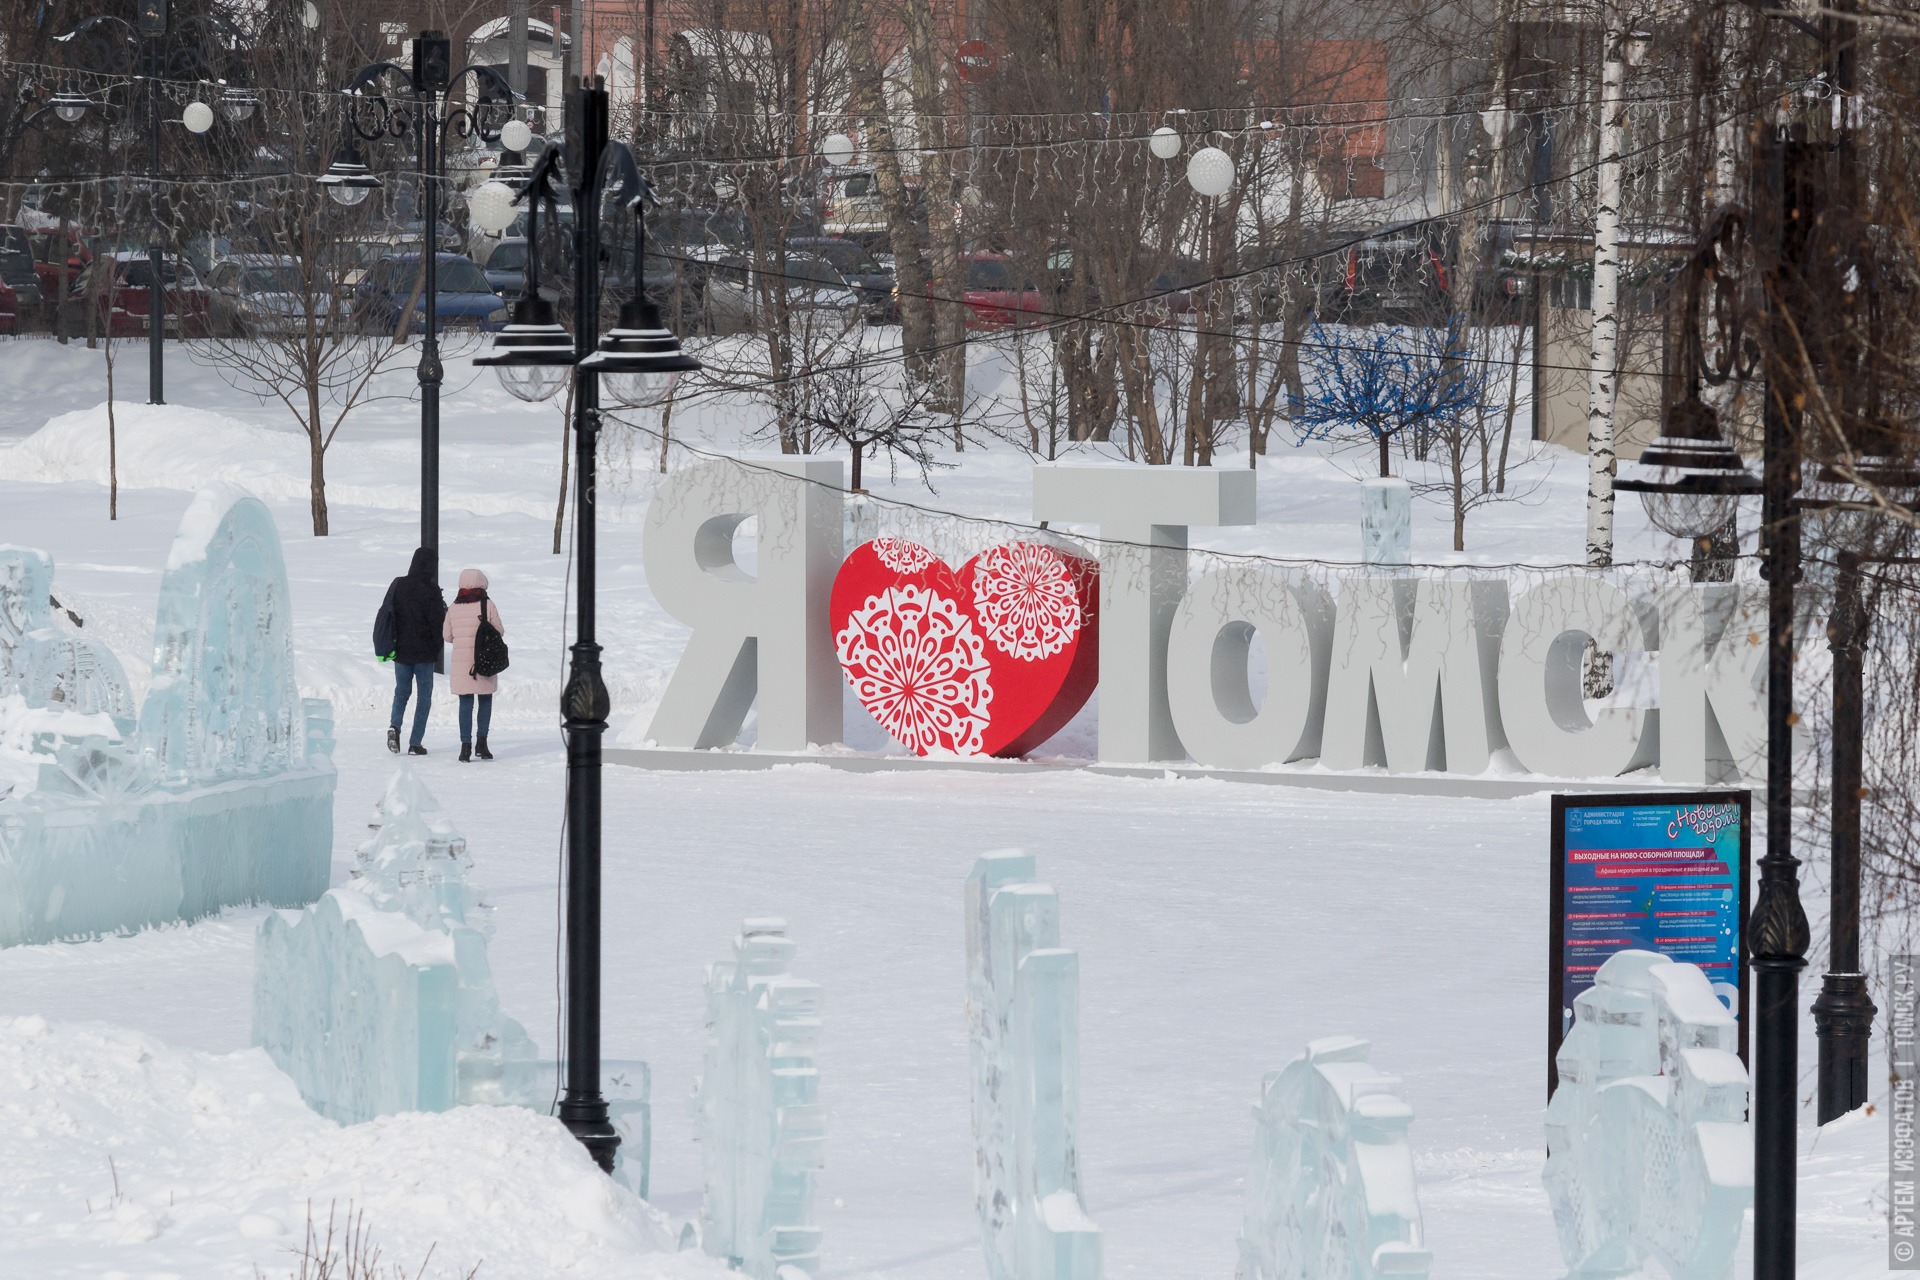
{"type": "Point", "coordinates": [1331, 1195]}
{"type": "Point", "coordinates": [1648, 1147]}
{"type": "Point", "coordinates": [762, 1125]}
{"type": "Point", "coordinates": [1023, 996]}
{"type": "Point", "coordinates": [223, 791]}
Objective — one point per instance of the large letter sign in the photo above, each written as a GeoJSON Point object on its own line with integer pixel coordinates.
{"type": "Point", "coordinates": [1423, 703]}
{"type": "Point", "coordinates": [1207, 652]}
{"type": "Point", "coordinates": [1143, 513]}
{"type": "Point", "coordinates": [1713, 712]}
{"type": "Point", "coordinates": [1541, 701]}
{"type": "Point", "coordinates": [1410, 670]}
{"type": "Point", "coordinates": [756, 638]}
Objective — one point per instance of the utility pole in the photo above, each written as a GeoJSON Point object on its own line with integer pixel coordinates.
{"type": "Point", "coordinates": [517, 48]}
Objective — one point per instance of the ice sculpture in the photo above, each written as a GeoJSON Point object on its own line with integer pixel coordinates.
{"type": "Point", "coordinates": [1332, 1192]}
{"type": "Point", "coordinates": [762, 1126]}
{"type": "Point", "coordinates": [379, 998]}
{"type": "Point", "coordinates": [1023, 1002]}
{"type": "Point", "coordinates": [1648, 1148]}
{"type": "Point", "coordinates": [219, 793]}
{"type": "Point", "coordinates": [1386, 521]}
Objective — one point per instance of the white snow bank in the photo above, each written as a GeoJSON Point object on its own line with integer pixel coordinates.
{"type": "Point", "coordinates": [125, 1155]}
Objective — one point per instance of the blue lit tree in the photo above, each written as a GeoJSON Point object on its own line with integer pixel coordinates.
{"type": "Point", "coordinates": [1388, 383]}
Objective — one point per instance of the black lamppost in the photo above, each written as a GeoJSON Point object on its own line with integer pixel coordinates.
{"type": "Point", "coordinates": [640, 359]}
{"type": "Point", "coordinates": [110, 44]}
{"type": "Point", "coordinates": [427, 117]}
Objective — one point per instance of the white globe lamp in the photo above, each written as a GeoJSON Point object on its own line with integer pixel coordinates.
{"type": "Point", "coordinates": [1164, 142]}
{"type": "Point", "coordinates": [198, 117]}
{"type": "Point", "coordinates": [491, 207]}
{"type": "Point", "coordinates": [515, 135]}
{"type": "Point", "coordinates": [837, 149]}
{"type": "Point", "coordinates": [1210, 172]}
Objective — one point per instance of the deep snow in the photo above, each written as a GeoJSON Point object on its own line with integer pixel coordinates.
{"type": "Point", "coordinates": [1219, 926]}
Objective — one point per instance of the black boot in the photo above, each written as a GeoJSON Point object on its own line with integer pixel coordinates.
{"type": "Point", "coordinates": [480, 749]}
{"type": "Point", "coordinates": [393, 740]}
{"type": "Point", "coordinates": [416, 750]}
{"type": "Point", "coordinates": [466, 752]}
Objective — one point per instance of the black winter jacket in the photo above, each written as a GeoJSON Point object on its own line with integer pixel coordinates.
{"type": "Point", "coordinates": [419, 609]}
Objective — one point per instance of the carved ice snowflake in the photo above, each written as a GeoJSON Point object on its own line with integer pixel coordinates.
{"type": "Point", "coordinates": [918, 665]}
{"type": "Point", "coordinates": [1024, 595]}
{"type": "Point", "coordinates": [902, 556]}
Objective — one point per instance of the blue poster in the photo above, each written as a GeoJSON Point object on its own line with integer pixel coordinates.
{"type": "Point", "coordinates": [1665, 874]}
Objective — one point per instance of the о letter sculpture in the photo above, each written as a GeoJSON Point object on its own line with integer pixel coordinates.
{"type": "Point", "coordinates": [107, 824]}
{"type": "Point", "coordinates": [1023, 999]}
{"type": "Point", "coordinates": [379, 998]}
{"type": "Point", "coordinates": [762, 1125]}
{"type": "Point", "coordinates": [1648, 1147]}
{"type": "Point", "coordinates": [1332, 1192]}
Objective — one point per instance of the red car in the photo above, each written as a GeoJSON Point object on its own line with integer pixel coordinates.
{"type": "Point", "coordinates": [123, 300]}
{"type": "Point", "coordinates": [46, 261]}
{"type": "Point", "coordinates": [995, 300]}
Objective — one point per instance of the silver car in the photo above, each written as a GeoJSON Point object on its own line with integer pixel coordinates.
{"type": "Point", "coordinates": [259, 293]}
{"type": "Point", "coordinates": [738, 293]}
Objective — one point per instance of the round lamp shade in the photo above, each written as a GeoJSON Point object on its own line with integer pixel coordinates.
{"type": "Point", "coordinates": [515, 135]}
{"type": "Point", "coordinates": [491, 206]}
{"type": "Point", "coordinates": [837, 149]}
{"type": "Point", "coordinates": [1210, 171]}
{"type": "Point", "coordinates": [1164, 142]}
{"type": "Point", "coordinates": [198, 117]}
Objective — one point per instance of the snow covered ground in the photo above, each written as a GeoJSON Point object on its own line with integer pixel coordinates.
{"type": "Point", "coordinates": [1219, 926]}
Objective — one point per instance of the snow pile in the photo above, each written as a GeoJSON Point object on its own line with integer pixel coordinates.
{"type": "Point", "coordinates": [125, 1154]}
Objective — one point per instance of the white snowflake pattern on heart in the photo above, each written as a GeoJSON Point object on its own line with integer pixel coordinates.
{"type": "Point", "coordinates": [902, 556]}
{"type": "Point", "coordinates": [920, 668]}
{"type": "Point", "coordinates": [1024, 595]}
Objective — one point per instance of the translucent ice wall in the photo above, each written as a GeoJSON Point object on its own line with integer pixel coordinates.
{"type": "Point", "coordinates": [220, 793]}
{"type": "Point", "coordinates": [1331, 1195]}
{"type": "Point", "coordinates": [1649, 1154]}
{"type": "Point", "coordinates": [1023, 1020]}
{"type": "Point", "coordinates": [762, 1125]}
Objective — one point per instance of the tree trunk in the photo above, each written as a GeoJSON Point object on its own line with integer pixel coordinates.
{"type": "Point", "coordinates": [909, 265]}
{"type": "Point", "coordinates": [63, 248]}
{"type": "Point", "coordinates": [317, 457]}
{"type": "Point", "coordinates": [1604, 353]}
{"type": "Point", "coordinates": [943, 232]}
{"type": "Point", "coordinates": [856, 467]}
{"type": "Point", "coordinates": [113, 448]}
{"type": "Point", "coordinates": [1384, 470]}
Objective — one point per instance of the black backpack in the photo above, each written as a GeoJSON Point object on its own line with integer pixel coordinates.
{"type": "Point", "coordinates": [489, 646]}
{"type": "Point", "coordinates": [386, 631]}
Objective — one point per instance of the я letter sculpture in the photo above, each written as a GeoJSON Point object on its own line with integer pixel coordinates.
{"type": "Point", "coordinates": [1023, 1013]}
{"type": "Point", "coordinates": [762, 1125]}
{"type": "Point", "coordinates": [1331, 1195]}
{"type": "Point", "coordinates": [1648, 1147]}
{"type": "Point", "coordinates": [220, 792]}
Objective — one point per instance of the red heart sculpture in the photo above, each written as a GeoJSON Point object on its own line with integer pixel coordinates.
{"type": "Point", "coordinates": [990, 661]}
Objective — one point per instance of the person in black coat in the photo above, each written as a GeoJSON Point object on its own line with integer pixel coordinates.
{"type": "Point", "coordinates": [415, 609]}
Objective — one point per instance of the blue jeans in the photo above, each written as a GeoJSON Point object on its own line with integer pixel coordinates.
{"type": "Point", "coordinates": [466, 715]}
{"type": "Point", "coordinates": [407, 677]}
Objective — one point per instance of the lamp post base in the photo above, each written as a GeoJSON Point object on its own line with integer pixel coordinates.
{"type": "Point", "coordinates": [586, 1119]}
{"type": "Point", "coordinates": [1843, 1021]}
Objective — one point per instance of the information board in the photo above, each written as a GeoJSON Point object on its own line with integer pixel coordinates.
{"type": "Point", "coordinates": [1664, 872]}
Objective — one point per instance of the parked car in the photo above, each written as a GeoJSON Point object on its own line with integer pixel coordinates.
{"type": "Point", "coordinates": [16, 270]}
{"type": "Point", "coordinates": [9, 309]}
{"type": "Point", "coordinates": [736, 293]}
{"type": "Point", "coordinates": [465, 299]}
{"type": "Point", "coordinates": [849, 201]}
{"type": "Point", "coordinates": [873, 282]}
{"type": "Point", "coordinates": [259, 293]}
{"type": "Point", "coordinates": [1401, 276]}
{"type": "Point", "coordinates": [995, 298]}
{"type": "Point", "coordinates": [49, 252]}
{"type": "Point", "coordinates": [122, 302]}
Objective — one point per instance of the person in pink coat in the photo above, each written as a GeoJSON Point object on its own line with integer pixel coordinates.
{"type": "Point", "coordinates": [463, 621]}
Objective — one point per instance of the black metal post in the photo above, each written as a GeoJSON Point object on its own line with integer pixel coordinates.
{"type": "Point", "coordinates": [585, 704]}
{"type": "Point", "coordinates": [156, 289]}
{"type": "Point", "coordinates": [1843, 1012]}
{"type": "Point", "coordinates": [430, 372]}
{"type": "Point", "coordinates": [1776, 933]}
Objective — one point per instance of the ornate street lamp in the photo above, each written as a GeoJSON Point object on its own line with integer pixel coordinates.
{"type": "Point", "coordinates": [426, 114]}
{"type": "Point", "coordinates": [534, 358]}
